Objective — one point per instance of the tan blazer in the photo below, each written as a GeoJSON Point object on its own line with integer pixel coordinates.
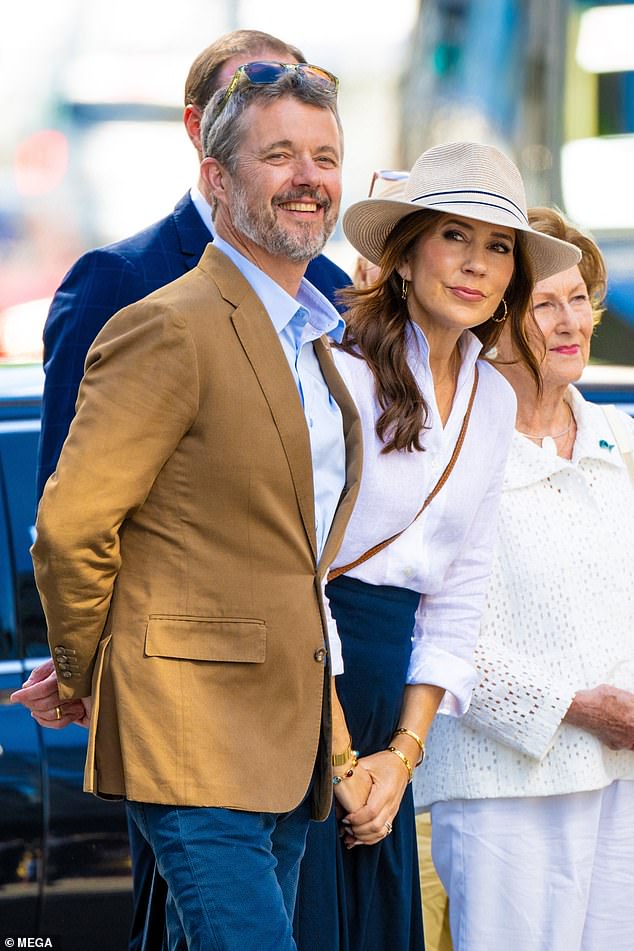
{"type": "Point", "coordinates": [176, 554]}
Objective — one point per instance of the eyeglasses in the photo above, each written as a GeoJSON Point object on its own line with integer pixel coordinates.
{"type": "Point", "coordinates": [387, 175]}
{"type": "Point", "coordinates": [265, 74]}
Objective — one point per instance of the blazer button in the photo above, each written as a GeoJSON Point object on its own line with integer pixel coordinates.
{"type": "Point", "coordinates": [66, 675]}
{"type": "Point", "coordinates": [319, 654]}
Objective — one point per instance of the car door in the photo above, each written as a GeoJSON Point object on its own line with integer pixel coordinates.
{"type": "Point", "coordinates": [21, 765]}
{"type": "Point", "coordinates": [84, 864]}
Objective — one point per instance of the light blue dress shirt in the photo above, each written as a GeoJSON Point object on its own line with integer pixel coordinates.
{"type": "Point", "coordinates": [297, 322]}
{"type": "Point", "coordinates": [202, 207]}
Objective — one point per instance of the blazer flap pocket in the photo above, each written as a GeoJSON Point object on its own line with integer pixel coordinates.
{"type": "Point", "coordinates": [241, 640]}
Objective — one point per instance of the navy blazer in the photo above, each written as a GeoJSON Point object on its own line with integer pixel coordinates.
{"type": "Point", "coordinates": [103, 281]}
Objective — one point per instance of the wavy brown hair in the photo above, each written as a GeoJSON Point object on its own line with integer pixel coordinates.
{"type": "Point", "coordinates": [376, 325]}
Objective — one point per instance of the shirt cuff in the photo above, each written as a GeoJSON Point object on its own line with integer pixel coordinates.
{"type": "Point", "coordinates": [334, 646]}
{"type": "Point", "coordinates": [334, 641]}
{"type": "Point", "coordinates": [522, 721]}
{"type": "Point", "coordinates": [431, 665]}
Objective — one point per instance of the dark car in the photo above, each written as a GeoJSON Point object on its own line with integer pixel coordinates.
{"type": "Point", "coordinates": [64, 863]}
{"type": "Point", "coordinates": [64, 860]}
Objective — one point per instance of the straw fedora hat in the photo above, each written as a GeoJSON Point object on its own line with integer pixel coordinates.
{"type": "Point", "coordinates": [465, 179]}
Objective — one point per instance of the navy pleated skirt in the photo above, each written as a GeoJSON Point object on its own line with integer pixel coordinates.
{"type": "Point", "coordinates": [366, 898]}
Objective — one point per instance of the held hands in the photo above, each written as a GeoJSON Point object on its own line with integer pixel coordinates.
{"type": "Point", "coordinates": [353, 791]}
{"type": "Point", "coordinates": [351, 784]}
{"type": "Point", "coordinates": [373, 820]}
{"type": "Point", "coordinates": [371, 797]}
{"type": "Point", "coordinates": [39, 694]}
{"type": "Point", "coordinates": [390, 771]}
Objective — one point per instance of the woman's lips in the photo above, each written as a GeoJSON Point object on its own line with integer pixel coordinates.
{"type": "Point", "coordinates": [568, 351]}
{"type": "Point", "coordinates": [467, 293]}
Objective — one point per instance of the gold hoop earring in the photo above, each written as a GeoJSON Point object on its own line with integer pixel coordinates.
{"type": "Point", "coordinates": [404, 288]}
{"type": "Point", "coordinates": [500, 320]}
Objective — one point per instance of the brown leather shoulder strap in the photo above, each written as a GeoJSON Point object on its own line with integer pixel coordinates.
{"type": "Point", "coordinates": [342, 569]}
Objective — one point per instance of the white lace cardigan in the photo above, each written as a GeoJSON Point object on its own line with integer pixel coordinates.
{"type": "Point", "coordinates": [559, 618]}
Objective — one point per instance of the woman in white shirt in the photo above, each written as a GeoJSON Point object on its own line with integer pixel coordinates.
{"type": "Point", "coordinates": [456, 252]}
{"type": "Point", "coordinates": [533, 790]}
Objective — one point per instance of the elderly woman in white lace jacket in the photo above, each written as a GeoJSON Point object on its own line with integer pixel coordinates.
{"type": "Point", "coordinates": [532, 792]}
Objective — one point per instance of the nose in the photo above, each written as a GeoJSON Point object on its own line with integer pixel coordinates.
{"type": "Point", "coordinates": [307, 172]}
{"type": "Point", "coordinates": [474, 259]}
{"type": "Point", "coordinates": [568, 316]}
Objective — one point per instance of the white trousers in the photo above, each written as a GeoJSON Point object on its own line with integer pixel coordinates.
{"type": "Point", "coordinates": [552, 873]}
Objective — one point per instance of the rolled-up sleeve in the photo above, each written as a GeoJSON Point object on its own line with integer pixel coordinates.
{"type": "Point", "coordinates": [448, 622]}
{"type": "Point", "coordinates": [517, 701]}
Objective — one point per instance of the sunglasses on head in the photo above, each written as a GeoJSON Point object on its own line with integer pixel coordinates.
{"type": "Point", "coordinates": [385, 175]}
{"type": "Point", "coordinates": [265, 74]}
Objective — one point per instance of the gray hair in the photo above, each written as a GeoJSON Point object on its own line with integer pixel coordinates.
{"type": "Point", "coordinates": [221, 137]}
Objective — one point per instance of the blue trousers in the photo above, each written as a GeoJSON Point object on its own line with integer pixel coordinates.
{"type": "Point", "coordinates": [369, 897]}
{"type": "Point", "coordinates": [149, 894]}
{"type": "Point", "coordinates": [232, 876]}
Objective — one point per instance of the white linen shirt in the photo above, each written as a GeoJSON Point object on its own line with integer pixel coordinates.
{"type": "Point", "coordinates": [559, 618]}
{"type": "Point", "coordinates": [445, 555]}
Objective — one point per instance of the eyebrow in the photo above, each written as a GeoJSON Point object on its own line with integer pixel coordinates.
{"type": "Point", "coordinates": [288, 144]}
{"type": "Point", "coordinates": [580, 286]}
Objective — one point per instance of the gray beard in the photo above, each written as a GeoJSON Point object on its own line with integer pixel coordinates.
{"type": "Point", "coordinates": [265, 231]}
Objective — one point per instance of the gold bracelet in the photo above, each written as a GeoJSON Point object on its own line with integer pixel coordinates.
{"type": "Point", "coordinates": [403, 731]}
{"type": "Point", "coordinates": [339, 759]}
{"type": "Point", "coordinates": [404, 760]}
{"type": "Point", "coordinates": [349, 772]}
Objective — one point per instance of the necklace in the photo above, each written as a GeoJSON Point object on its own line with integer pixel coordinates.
{"type": "Point", "coordinates": [547, 441]}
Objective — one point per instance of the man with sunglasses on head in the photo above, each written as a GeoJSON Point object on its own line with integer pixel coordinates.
{"type": "Point", "coordinates": [101, 283]}
{"type": "Point", "coordinates": [182, 545]}
{"type": "Point", "coordinates": [106, 279]}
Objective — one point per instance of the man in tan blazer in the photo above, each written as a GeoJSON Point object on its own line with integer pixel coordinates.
{"type": "Point", "coordinates": [182, 543]}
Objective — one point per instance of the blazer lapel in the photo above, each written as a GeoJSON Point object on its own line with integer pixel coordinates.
{"type": "Point", "coordinates": [261, 345]}
{"type": "Point", "coordinates": [263, 349]}
{"type": "Point", "coordinates": [354, 452]}
{"type": "Point", "coordinates": [264, 352]}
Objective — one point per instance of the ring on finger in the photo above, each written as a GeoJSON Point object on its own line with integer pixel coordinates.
{"type": "Point", "coordinates": [388, 826]}
{"type": "Point", "coordinates": [58, 713]}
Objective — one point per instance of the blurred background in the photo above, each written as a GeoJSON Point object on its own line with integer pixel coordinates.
{"type": "Point", "coordinates": [93, 146]}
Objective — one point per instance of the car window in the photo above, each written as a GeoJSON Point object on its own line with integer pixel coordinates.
{"type": "Point", "coordinates": [18, 451]}
{"type": "Point", "coordinates": [8, 626]}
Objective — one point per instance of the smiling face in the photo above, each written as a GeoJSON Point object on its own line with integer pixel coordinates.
{"type": "Point", "coordinates": [563, 313]}
{"type": "Point", "coordinates": [283, 200]}
{"type": "Point", "coordinates": [458, 272]}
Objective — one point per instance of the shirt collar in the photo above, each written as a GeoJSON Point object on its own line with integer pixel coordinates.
{"type": "Point", "coordinates": [528, 463]}
{"type": "Point", "coordinates": [595, 439]}
{"type": "Point", "coordinates": [322, 317]}
{"type": "Point", "coordinates": [202, 207]}
{"type": "Point", "coordinates": [470, 349]}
